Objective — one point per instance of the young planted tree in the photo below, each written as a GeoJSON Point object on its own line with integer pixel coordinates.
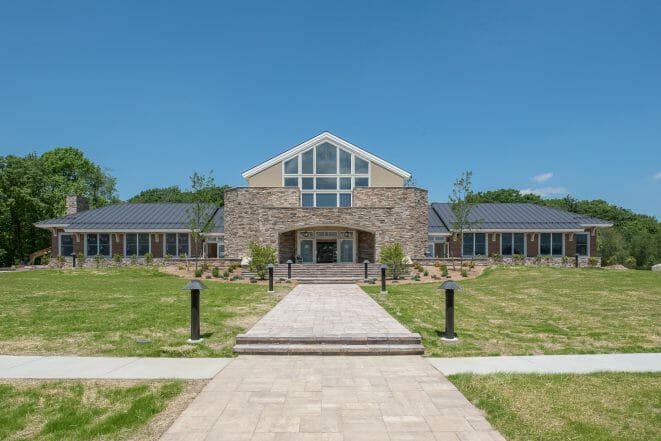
{"type": "Point", "coordinates": [394, 258]}
{"type": "Point", "coordinates": [260, 257]}
{"type": "Point", "coordinates": [201, 212]}
{"type": "Point", "coordinates": [461, 208]}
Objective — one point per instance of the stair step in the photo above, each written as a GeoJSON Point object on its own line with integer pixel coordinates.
{"type": "Point", "coordinates": [355, 340]}
{"type": "Point", "coordinates": [329, 349]}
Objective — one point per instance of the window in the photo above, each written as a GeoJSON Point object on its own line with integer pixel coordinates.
{"type": "Point", "coordinates": [176, 244]}
{"type": "Point", "coordinates": [136, 244]}
{"type": "Point", "coordinates": [475, 244]}
{"type": "Point", "coordinates": [221, 247]}
{"type": "Point", "coordinates": [512, 243]}
{"type": "Point", "coordinates": [550, 244]}
{"type": "Point", "coordinates": [436, 246]}
{"type": "Point", "coordinates": [582, 245]}
{"type": "Point", "coordinates": [66, 244]}
{"type": "Point", "coordinates": [98, 244]}
{"type": "Point", "coordinates": [327, 174]}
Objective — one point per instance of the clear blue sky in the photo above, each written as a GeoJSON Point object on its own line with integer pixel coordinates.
{"type": "Point", "coordinates": [511, 90]}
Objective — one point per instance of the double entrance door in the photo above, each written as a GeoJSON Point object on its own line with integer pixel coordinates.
{"type": "Point", "coordinates": [324, 248]}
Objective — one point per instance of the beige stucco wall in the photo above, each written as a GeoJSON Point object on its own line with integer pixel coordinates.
{"type": "Point", "coordinates": [380, 177]}
{"type": "Point", "coordinates": [271, 177]}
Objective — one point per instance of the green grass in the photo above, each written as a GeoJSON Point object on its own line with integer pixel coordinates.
{"type": "Point", "coordinates": [603, 406]}
{"type": "Point", "coordinates": [122, 312]}
{"type": "Point", "coordinates": [523, 310]}
{"type": "Point", "coordinates": [76, 410]}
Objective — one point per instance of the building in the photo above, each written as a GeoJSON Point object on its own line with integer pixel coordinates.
{"type": "Point", "coordinates": [324, 201]}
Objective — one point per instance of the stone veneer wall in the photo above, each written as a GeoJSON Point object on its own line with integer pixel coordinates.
{"type": "Point", "coordinates": [287, 246]}
{"type": "Point", "coordinates": [393, 214]}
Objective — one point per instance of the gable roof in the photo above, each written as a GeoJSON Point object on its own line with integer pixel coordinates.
{"type": "Point", "coordinates": [161, 217]}
{"type": "Point", "coordinates": [519, 216]}
{"type": "Point", "coordinates": [319, 139]}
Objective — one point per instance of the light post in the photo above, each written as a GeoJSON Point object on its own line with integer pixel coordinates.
{"type": "Point", "coordinates": [289, 262]}
{"type": "Point", "coordinates": [73, 264]}
{"type": "Point", "coordinates": [383, 279]}
{"type": "Point", "coordinates": [195, 286]}
{"type": "Point", "coordinates": [366, 263]}
{"type": "Point", "coordinates": [270, 268]}
{"type": "Point", "coordinates": [449, 286]}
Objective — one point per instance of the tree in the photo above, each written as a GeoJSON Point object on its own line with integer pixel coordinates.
{"type": "Point", "coordinates": [260, 257]}
{"type": "Point", "coordinates": [201, 212]}
{"type": "Point", "coordinates": [213, 195]}
{"type": "Point", "coordinates": [393, 257]}
{"type": "Point", "coordinates": [461, 208]}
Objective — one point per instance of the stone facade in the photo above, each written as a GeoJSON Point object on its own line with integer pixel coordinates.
{"type": "Point", "coordinates": [76, 204]}
{"type": "Point", "coordinates": [394, 214]}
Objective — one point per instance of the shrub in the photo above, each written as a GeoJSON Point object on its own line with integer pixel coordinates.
{"type": "Point", "coordinates": [566, 260]}
{"type": "Point", "coordinates": [425, 273]}
{"type": "Point", "coordinates": [260, 257]}
{"type": "Point", "coordinates": [167, 259]}
{"type": "Point", "coordinates": [235, 278]}
{"type": "Point", "coordinates": [471, 265]}
{"type": "Point", "coordinates": [612, 260]}
{"type": "Point", "coordinates": [537, 260]}
{"type": "Point", "coordinates": [252, 279]}
{"type": "Point", "coordinates": [134, 260]}
{"type": "Point", "coordinates": [416, 278]}
{"type": "Point", "coordinates": [117, 258]}
{"type": "Point", "coordinates": [593, 262]}
{"type": "Point", "coordinates": [444, 272]}
{"type": "Point", "coordinates": [215, 272]}
{"type": "Point", "coordinates": [443, 267]}
{"type": "Point", "coordinates": [97, 260]}
{"type": "Point", "coordinates": [497, 257]}
{"type": "Point", "coordinates": [393, 257]}
{"type": "Point", "coordinates": [61, 260]}
{"type": "Point", "coordinates": [226, 274]}
{"type": "Point", "coordinates": [149, 258]}
{"type": "Point", "coordinates": [434, 276]}
{"type": "Point", "coordinates": [518, 259]}
{"type": "Point", "coordinates": [198, 272]}
{"type": "Point", "coordinates": [630, 262]}
{"type": "Point", "coordinates": [464, 273]}
{"type": "Point", "coordinates": [80, 262]}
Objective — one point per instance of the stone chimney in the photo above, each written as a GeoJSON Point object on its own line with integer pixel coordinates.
{"type": "Point", "coordinates": [76, 204]}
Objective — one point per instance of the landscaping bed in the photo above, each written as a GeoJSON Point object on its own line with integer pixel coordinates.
{"type": "Point", "coordinates": [122, 312]}
{"type": "Point", "coordinates": [535, 310]}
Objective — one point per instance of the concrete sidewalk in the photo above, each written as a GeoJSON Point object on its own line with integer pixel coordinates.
{"type": "Point", "coordinates": [550, 364]}
{"type": "Point", "coordinates": [112, 368]}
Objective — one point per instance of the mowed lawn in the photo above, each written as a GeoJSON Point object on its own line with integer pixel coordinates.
{"type": "Point", "coordinates": [122, 312]}
{"type": "Point", "coordinates": [530, 310]}
{"type": "Point", "coordinates": [602, 406]}
{"type": "Point", "coordinates": [89, 410]}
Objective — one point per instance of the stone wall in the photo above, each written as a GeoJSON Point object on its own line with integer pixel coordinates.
{"type": "Point", "coordinates": [287, 246]}
{"type": "Point", "coordinates": [365, 247]}
{"type": "Point", "coordinates": [393, 214]}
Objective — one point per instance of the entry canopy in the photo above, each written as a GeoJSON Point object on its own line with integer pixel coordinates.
{"type": "Point", "coordinates": [450, 284]}
{"type": "Point", "coordinates": [194, 284]}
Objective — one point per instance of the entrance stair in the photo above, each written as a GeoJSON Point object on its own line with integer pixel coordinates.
{"type": "Point", "coordinates": [325, 272]}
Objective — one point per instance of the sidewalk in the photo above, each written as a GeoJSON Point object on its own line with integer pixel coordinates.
{"type": "Point", "coordinates": [550, 364]}
{"type": "Point", "coordinates": [111, 368]}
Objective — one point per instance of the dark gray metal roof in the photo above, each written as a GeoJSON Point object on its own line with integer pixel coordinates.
{"type": "Point", "coordinates": [518, 216]}
{"type": "Point", "coordinates": [133, 216]}
{"type": "Point", "coordinates": [436, 225]}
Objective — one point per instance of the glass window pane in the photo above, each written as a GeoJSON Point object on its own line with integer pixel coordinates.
{"type": "Point", "coordinates": [307, 200]}
{"type": "Point", "coordinates": [480, 244]}
{"type": "Point", "coordinates": [345, 199]}
{"type": "Point", "coordinates": [66, 245]}
{"type": "Point", "coordinates": [557, 244]}
{"type": "Point", "coordinates": [171, 244]}
{"type": "Point", "coordinates": [362, 166]}
{"type": "Point", "coordinates": [326, 200]}
{"type": "Point", "coordinates": [345, 162]}
{"type": "Point", "coordinates": [430, 249]}
{"type": "Point", "coordinates": [104, 244]}
{"type": "Point", "coordinates": [143, 244]}
{"type": "Point", "coordinates": [183, 244]}
{"type": "Point", "coordinates": [326, 159]}
{"type": "Point", "coordinates": [92, 245]}
{"type": "Point", "coordinates": [346, 251]}
{"type": "Point", "coordinates": [582, 244]}
{"type": "Point", "coordinates": [308, 183]}
{"type": "Point", "coordinates": [362, 182]}
{"type": "Point", "coordinates": [326, 183]}
{"type": "Point", "coordinates": [306, 251]}
{"type": "Point", "coordinates": [468, 244]}
{"type": "Point", "coordinates": [519, 244]}
{"type": "Point", "coordinates": [545, 244]}
{"type": "Point", "coordinates": [291, 182]}
{"type": "Point", "coordinates": [306, 162]}
{"type": "Point", "coordinates": [131, 245]}
{"type": "Point", "coordinates": [291, 166]}
{"type": "Point", "coordinates": [506, 244]}
{"type": "Point", "coordinates": [345, 183]}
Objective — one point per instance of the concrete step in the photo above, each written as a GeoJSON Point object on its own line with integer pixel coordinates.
{"type": "Point", "coordinates": [329, 349]}
{"type": "Point", "coordinates": [327, 280]}
{"type": "Point", "coordinates": [348, 339]}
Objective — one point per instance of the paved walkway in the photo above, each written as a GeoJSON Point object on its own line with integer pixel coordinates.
{"type": "Point", "coordinates": [550, 364]}
{"type": "Point", "coordinates": [330, 398]}
{"type": "Point", "coordinates": [109, 367]}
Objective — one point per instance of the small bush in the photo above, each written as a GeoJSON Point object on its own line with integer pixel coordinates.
{"type": "Point", "coordinates": [425, 273]}
{"type": "Point", "coordinates": [235, 278]}
{"type": "Point", "coordinates": [149, 259]}
{"type": "Point", "coordinates": [393, 257]}
{"type": "Point", "coordinates": [593, 262]}
{"type": "Point", "coordinates": [81, 262]}
{"type": "Point", "coordinates": [167, 259]}
{"type": "Point", "coordinates": [117, 258]}
{"type": "Point", "coordinates": [260, 257]}
{"type": "Point", "coordinates": [134, 260]}
{"type": "Point", "coordinates": [226, 274]}
{"type": "Point", "coordinates": [198, 272]}
{"type": "Point", "coordinates": [416, 278]}
{"type": "Point", "coordinates": [537, 260]}
{"type": "Point", "coordinates": [497, 257]}
{"type": "Point", "coordinates": [518, 259]}
{"type": "Point", "coordinates": [444, 272]}
{"type": "Point", "coordinates": [566, 260]}
{"type": "Point", "coordinates": [434, 276]}
{"type": "Point", "coordinates": [612, 260]}
{"type": "Point", "coordinates": [464, 273]}
{"type": "Point", "coordinates": [252, 279]}
{"type": "Point", "coordinates": [215, 272]}
{"type": "Point", "coordinates": [98, 259]}
{"type": "Point", "coordinates": [61, 261]}
{"type": "Point", "coordinates": [630, 262]}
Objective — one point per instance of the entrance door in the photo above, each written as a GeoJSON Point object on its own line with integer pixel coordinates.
{"type": "Point", "coordinates": [346, 251]}
{"type": "Point", "coordinates": [306, 251]}
{"type": "Point", "coordinates": [326, 252]}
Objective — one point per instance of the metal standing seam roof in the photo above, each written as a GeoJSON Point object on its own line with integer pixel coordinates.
{"type": "Point", "coordinates": [134, 216]}
{"type": "Point", "coordinates": [519, 216]}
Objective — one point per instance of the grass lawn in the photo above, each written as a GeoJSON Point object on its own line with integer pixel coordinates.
{"type": "Point", "coordinates": [88, 410]}
{"type": "Point", "coordinates": [603, 406]}
{"type": "Point", "coordinates": [122, 312]}
{"type": "Point", "coordinates": [530, 310]}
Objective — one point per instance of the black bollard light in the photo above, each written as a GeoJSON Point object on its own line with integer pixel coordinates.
{"type": "Point", "coordinates": [383, 279]}
{"type": "Point", "coordinates": [73, 255]}
{"type": "Point", "coordinates": [289, 262]}
{"type": "Point", "coordinates": [449, 286]}
{"type": "Point", "coordinates": [195, 286]}
{"type": "Point", "coordinates": [577, 261]}
{"type": "Point", "coordinates": [367, 262]}
{"type": "Point", "coordinates": [270, 267]}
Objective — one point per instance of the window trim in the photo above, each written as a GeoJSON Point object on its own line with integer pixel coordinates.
{"type": "Point", "coordinates": [98, 245]}
{"type": "Point", "coordinates": [539, 244]}
{"type": "Point", "coordinates": [525, 244]}
{"type": "Point", "coordinates": [59, 243]}
{"type": "Point", "coordinates": [486, 245]}
{"type": "Point", "coordinates": [137, 243]}
{"type": "Point", "coordinates": [586, 234]}
{"type": "Point", "coordinates": [176, 235]}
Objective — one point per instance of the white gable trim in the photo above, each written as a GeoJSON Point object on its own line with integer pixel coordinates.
{"type": "Point", "coordinates": [319, 139]}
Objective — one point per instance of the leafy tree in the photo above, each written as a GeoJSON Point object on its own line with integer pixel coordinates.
{"type": "Point", "coordinates": [213, 195]}
{"type": "Point", "coordinates": [393, 257]}
{"type": "Point", "coordinates": [260, 257]}
{"type": "Point", "coordinates": [201, 212]}
{"type": "Point", "coordinates": [461, 208]}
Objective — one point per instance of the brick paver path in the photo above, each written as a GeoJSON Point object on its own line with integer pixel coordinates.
{"type": "Point", "coordinates": [342, 398]}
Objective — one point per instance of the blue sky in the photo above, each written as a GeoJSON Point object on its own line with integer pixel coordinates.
{"type": "Point", "coordinates": [567, 92]}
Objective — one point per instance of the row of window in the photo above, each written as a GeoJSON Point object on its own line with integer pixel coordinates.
{"type": "Point", "coordinates": [135, 244]}
{"type": "Point", "coordinates": [335, 183]}
{"type": "Point", "coordinates": [550, 244]}
{"type": "Point", "coordinates": [326, 159]}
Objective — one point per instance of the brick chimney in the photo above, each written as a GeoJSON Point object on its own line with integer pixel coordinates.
{"type": "Point", "coordinates": [76, 204]}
